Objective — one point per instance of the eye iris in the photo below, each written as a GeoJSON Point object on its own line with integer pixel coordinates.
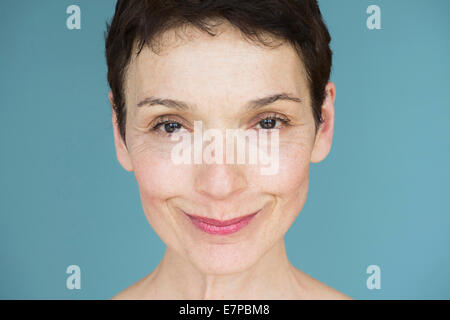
{"type": "Point", "coordinates": [268, 123]}
{"type": "Point", "coordinates": [171, 127]}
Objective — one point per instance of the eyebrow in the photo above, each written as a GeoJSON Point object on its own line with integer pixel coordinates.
{"type": "Point", "coordinates": [262, 102]}
{"type": "Point", "coordinates": [170, 103]}
{"type": "Point", "coordinates": [251, 105]}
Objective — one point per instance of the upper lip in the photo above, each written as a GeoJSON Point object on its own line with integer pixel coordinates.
{"type": "Point", "coordinates": [221, 223]}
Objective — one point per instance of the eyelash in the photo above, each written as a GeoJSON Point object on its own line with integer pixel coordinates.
{"type": "Point", "coordinates": [273, 116]}
{"type": "Point", "coordinates": [165, 120]}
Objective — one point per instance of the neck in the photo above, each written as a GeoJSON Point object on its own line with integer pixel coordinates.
{"type": "Point", "coordinates": [271, 277]}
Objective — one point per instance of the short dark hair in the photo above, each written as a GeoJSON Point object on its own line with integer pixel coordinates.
{"type": "Point", "coordinates": [298, 22]}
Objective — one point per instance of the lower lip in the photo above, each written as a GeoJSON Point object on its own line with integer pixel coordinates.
{"type": "Point", "coordinates": [222, 230]}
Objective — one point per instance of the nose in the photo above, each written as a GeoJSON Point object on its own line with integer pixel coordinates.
{"type": "Point", "coordinates": [219, 181]}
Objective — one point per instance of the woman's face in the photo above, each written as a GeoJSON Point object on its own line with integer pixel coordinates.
{"type": "Point", "coordinates": [215, 78]}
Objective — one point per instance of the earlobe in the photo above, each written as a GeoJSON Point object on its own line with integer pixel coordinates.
{"type": "Point", "coordinates": [324, 138]}
{"type": "Point", "coordinates": [121, 150]}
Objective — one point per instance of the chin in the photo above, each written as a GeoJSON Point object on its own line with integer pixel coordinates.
{"type": "Point", "coordinates": [224, 258]}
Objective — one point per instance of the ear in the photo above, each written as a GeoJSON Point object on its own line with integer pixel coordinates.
{"type": "Point", "coordinates": [121, 150]}
{"type": "Point", "coordinates": [324, 137]}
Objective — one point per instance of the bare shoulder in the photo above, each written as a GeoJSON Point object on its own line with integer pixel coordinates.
{"type": "Point", "coordinates": [315, 290]}
{"type": "Point", "coordinates": [130, 293]}
{"type": "Point", "coordinates": [135, 291]}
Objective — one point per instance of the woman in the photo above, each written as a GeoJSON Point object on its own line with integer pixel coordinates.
{"type": "Point", "coordinates": [256, 67]}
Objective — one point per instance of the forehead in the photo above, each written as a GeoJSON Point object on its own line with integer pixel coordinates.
{"type": "Point", "coordinates": [197, 67]}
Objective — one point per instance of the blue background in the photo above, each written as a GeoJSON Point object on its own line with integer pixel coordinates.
{"type": "Point", "coordinates": [381, 197]}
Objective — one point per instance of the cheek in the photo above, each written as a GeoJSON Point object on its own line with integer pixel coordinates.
{"type": "Point", "coordinates": [293, 171]}
{"type": "Point", "coordinates": [159, 180]}
{"type": "Point", "coordinates": [289, 186]}
{"type": "Point", "coordinates": [294, 181]}
{"type": "Point", "coordinates": [157, 176]}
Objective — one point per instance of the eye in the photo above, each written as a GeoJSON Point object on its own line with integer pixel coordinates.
{"type": "Point", "coordinates": [166, 126]}
{"type": "Point", "coordinates": [271, 122]}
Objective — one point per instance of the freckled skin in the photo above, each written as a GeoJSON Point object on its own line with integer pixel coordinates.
{"type": "Point", "coordinates": [218, 76]}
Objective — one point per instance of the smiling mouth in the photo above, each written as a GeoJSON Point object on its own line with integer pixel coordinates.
{"type": "Point", "coordinates": [221, 227]}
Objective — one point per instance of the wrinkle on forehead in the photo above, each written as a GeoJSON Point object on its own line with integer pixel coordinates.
{"type": "Point", "coordinates": [227, 47]}
{"type": "Point", "coordinates": [166, 41]}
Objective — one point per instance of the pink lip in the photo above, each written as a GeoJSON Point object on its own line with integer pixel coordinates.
{"type": "Point", "coordinates": [220, 227]}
